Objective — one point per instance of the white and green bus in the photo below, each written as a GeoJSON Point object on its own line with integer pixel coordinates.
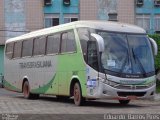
{"type": "Point", "coordinates": [84, 60]}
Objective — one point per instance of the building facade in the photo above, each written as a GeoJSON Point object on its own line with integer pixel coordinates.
{"type": "Point", "coordinates": [148, 15]}
{"type": "Point", "coordinates": [144, 13]}
{"type": "Point", "coordinates": [16, 18]}
{"type": "Point", "coordinates": [113, 10]}
{"type": "Point", "coordinates": [56, 12]}
{"type": "Point", "coordinates": [60, 11]}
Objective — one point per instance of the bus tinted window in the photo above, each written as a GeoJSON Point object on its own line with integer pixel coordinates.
{"type": "Point", "coordinates": [17, 49]}
{"type": "Point", "coordinates": [92, 55]}
{"type": "Point", "coordinates": [68, 42]}
{"type": "Point", "coordinates": [71, 43]}
{"type": "Point", "coordinates": [9, 50]}
{"type": "Point", "coordinates": [27, 48]}
{"type": "Point", "coordinates": [39, 46]}
{"type": "Point", "coordinates": [84, 38]}
{"type": "Point", "coordinates": [53, 43]}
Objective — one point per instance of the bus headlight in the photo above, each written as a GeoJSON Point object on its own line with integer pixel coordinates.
{"type": "Point", "coordinates": [108, 82]}
{"type": "Point", "coordinates": [152, 83]}
{"type": "Point", "coordinates": [113, 84]}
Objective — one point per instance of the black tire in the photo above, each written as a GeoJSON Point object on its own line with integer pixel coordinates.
{"type": "Point", "coordinates": [77, 93]}
{"type": "Point", "coordinates": [124, 102]}
{"type": "Point", "coordinates": [35, 96]}
{"type": "Point", "coordinates": [26, 92]}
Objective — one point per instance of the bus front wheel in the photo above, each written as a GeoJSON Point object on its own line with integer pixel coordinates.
{"type": "Point", "coordinates": [78, 99]}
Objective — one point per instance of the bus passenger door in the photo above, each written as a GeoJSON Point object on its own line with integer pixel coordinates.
{"type": "Point", "coordinates": [63, 83]}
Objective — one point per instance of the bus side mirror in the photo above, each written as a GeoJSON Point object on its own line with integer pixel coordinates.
{"type": "Point", "coordinates": [100, 41]}
{"type": "Point", "coordinates": [154, 46]}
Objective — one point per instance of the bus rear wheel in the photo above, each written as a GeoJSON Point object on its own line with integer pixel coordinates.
{"type": "Point", "coordinates": [124, 102]}
{"type": "Point", "coordinates": [78, 99]}
{"type": "Point", "coordinates": [26, 92]}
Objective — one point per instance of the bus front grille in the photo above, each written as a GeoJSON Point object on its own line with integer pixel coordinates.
{"type": "Point", "coordinates": [131, 87]}
{"type": "Point", "coordinates": [125, 94]}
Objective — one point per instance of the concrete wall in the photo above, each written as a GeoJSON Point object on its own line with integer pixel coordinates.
{"type": "Point", "coordinates": [98, 10]}
{"type": "Point", "coordinates": [14, 18]}
{"type": "Point", "coordinates": [126, 11]}
{"type": "Point", "coordinates": [18, 15]}
{"type": "Point", "coordinates": [34, 14]}
{"type": "Point", "coordinates": [23, 15]}
{"type": "Point", "coordinates": [88, 10]}
{"type": "Point", "coordinates": [2, 26]}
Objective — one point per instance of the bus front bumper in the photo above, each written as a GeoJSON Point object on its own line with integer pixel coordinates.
{"type": "Point", "coordinates": [104, 91]}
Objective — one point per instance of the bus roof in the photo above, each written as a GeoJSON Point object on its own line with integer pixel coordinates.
{"type": "Point", "coordinates": [103, 25]}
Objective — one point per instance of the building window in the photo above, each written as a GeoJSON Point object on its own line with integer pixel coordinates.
{"type": "Point", "coordinates": [49, 22]}
{"type": "Point", "coordinates": [67, 20]}
{"type": "Point", "coordinates": [144, 22]}
{"type": "Point", "coordinates": [157, 24]}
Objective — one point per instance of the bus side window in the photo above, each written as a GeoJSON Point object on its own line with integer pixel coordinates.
{"type": "Point", "coordinates": [27, 47]}
{"type": "Point", "coordinates": [53, 44]}
{"type": "Point", "coordinates": [9, 50]}
{"type": "Point", "coordinates": [17, 49]}
{"type": "Point", "coordinates": [68, 42]}
{"type": "Point", "coordinates": [39, 46]}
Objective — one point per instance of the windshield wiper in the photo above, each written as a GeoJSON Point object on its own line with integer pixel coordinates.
{"type": "Point", "coordinates": [139, 62]}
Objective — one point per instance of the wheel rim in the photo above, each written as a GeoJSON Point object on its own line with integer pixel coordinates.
{"type": "Point", "coordinates": [76, 94]}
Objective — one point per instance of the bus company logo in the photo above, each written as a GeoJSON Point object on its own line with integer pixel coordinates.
{"type": "Point", "coordinates": [36, 64]}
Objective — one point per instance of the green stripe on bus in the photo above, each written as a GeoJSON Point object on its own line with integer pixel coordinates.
{"type": "Point", "coordinates": [44, 88]}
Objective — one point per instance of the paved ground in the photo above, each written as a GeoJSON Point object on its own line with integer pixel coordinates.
{"type": "Point", "coordinates": [14, 103]}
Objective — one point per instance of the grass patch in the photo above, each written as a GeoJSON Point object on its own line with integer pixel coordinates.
{"type": "Point", "coordinates": [158, 87]}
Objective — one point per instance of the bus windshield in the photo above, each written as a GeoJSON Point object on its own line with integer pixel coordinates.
{"type": "Point", "coordinates": [126, 53]}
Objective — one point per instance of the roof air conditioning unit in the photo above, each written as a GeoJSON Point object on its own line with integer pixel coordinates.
{"type": "Point", "coordinates": [157, 3]}
{"type": "Point", "coordinates": [139, 3]}
{"type": "Point", "coordinates": [47, 2]}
